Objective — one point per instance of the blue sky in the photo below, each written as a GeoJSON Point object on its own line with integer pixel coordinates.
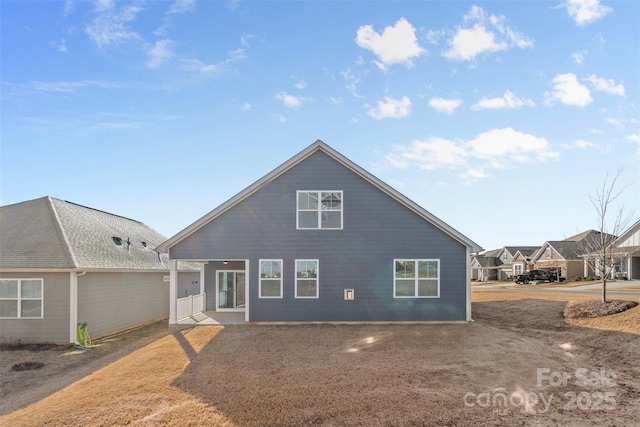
{"type": "Point", "coordinates": [498, 117]}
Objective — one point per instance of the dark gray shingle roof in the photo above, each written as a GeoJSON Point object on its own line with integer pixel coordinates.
{"type": "Point", "coordinates": [51, 233]}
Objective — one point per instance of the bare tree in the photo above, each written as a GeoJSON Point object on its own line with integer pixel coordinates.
{"type": "Point", "coordinates": [599, 251]}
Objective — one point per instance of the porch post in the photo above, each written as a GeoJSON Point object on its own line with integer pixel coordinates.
{"type": "Point", "coordinates": [468, 284]}
{"type": "Point", "coordinates": [202, 264]}
{"type": "Point", "coordinates": [173, 291]}
{"type": "Point", "coordinates": [73, 307]}
{"type": "Point", "coordinates": [629, 269]}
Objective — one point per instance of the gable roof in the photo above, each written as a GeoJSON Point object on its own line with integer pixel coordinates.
{"type": "Point", "coordinates": [289, 164]}
{"type": "Point", "coordinates": [572, 247]}
{"type": "Point", "coordinates": [627, 234]}
{"type": "Point", "coordinates": [49, 233]}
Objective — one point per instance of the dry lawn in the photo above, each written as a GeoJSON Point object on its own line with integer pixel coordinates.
{"type": "Point", "coordinates": [366, 375]}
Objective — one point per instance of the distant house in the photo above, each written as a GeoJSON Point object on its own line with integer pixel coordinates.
{"type": "Point", "coordinates": [62, 264]}
{"type": "Point", "coordinates": [319, 239]}
{"type": "Point", "coordinates": [500, 264]}
{"type": "Point", "coordinates": [624, 253]}
{"type": "Point", "coordinates": [566, 255]}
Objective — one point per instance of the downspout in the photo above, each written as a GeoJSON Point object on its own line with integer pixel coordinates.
{"type": "Point", "coordinates": [468, 283]}
{"type": "Point", "coordinates": [73, 305]}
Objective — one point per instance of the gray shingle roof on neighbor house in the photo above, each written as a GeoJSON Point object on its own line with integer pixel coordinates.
{"type": "Point", "coordinates": [49, 233]}
{"type": "Point", "coordinates": [573, 247]}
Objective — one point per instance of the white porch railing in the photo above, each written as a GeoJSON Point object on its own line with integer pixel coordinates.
{"type": "Point", "coordinates": [188, 306]}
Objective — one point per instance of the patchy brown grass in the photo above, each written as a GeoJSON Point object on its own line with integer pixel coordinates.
{"type": "Point", "coordinates": [360, 375]}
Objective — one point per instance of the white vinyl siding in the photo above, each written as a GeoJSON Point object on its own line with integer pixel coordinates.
{"type": "Point", "coordinates": [270, 284]}
{"type": "Point", "coordinates": [319, 210]}
{"type": "Point", "coordinates": [21, 298]}
{"type": "Point", "coordinates": [307, 278]}
{"type": "Point", "coordinates": [417, 278]}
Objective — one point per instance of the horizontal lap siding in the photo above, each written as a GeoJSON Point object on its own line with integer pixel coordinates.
{"type": "Point", "coordinates": [54, 326]}
{"type": "Point", "coordinates": [109, 302]}
{"type": "Point", "coordinates": [377, 229]}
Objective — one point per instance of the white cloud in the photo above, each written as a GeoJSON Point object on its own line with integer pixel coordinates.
{"type": "Point", "coordinates": [182, 6]}
{"type": "Point", "coordinates": [197, 66]}
{"type": "Point", "coordinates": [301, 85]}
{"type": "Point", "coordinates": [580, 144]}
{"type": "Point", "coordinates": [508, 100]}
{"type": "Point", "coordinates": [68, 87]}
{"type": "Point", "coordinates": [110, 25]}
{"type": "Point", "coordinates": [391, 108]}
{"type": "Point", "coordinates": [290, 101]}
{"type": "Point", "coordinates": [447, 106]}
{"type": "Point", "coordinates": [579, 57]}
{"type": "Point", "coordinates": [60, 47]}
{"type": "Point", "coordinates": [160, 53]}
{"type": "Point", "coordinates": [634, 138]}
{"type": "Point", "coordinates": [585, 12]}
{"type": "Point", "coordinates": [245, 107]}
{"type": "Point", "coordinates": [488, 33]}
{"type": "Point", "coordinates": [429, 154]}
{"type": "Point", "coordinates": [502, 147]}
{"type": "Point", "coordinates": [613, 121]}
{"type": "Point", "coordinates": [606, 85]}
{"type": "Point", "coordinates": [569, 91]}
{"type": "Point", "coordinates": [498, 148]}
{"type": "Point", "coordinates": [245, 39]}
{"type": "Point", "coordinates": [396, 45]}
{"type": "Point", "coordinates": [352, 82]}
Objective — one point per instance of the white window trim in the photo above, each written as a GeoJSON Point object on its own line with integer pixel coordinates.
{"type": "Point", "coordinates": [260, 278]}
{"type": "Point", "coordinates": [19, 298]}
{"type": "Point", "coordinates": [415, 291]}
{"type": "Point", "coordinates": [317, 278]}
{"type": "Point", "coordinates": [319, 227]}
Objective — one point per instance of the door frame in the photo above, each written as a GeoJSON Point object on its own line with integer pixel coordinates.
{"type": "Point", "coordinates": [218, 308]}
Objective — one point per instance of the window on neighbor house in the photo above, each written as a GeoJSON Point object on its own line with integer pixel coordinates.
{"type": "Point", "coordinates": [418, 278]}
{"type": "Point", "coordinates": [21, 298]}
{"type": "Point", "coordinates": [306, 278]}
{"type": "Point", "coordinates": [270, 284]}
{"type": "Point", "coordinates": [548, 252]}
{"type": "Point", "coordinates": [319, 210]}
{"type": "Point", "coordinates": [517, 268]}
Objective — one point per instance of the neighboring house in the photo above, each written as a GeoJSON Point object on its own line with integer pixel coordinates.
{"type": "Point", "coordinates": [498, 264]}
{"type": "Point", "coordinates": [566, 255]}
{"type": "Point", "coordinates": [522, 260]}
{"type": "Point", "coordinates": [319, 239]}
{"type": "Point", "coordinates": [624, 253]}
{"type": "Point", "coordinates": [62, 264]}
{"type": "Point", "coordinates": [484, 266]}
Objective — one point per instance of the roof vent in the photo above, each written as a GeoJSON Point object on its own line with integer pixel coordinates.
{"type": "Point", "coordinates": [117, 241]}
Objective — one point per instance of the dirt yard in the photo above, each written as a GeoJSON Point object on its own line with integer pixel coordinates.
{"type": "Point", "coordinates": [519, 363]}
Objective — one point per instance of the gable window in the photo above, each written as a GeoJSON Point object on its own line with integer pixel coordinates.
{"type": "Point", "coordinates": [21, 298]}
{"type": "Point", "coordinates": [306, 278]}
{"type": "Point", "coordinates": [319, 210]}
{"type": "Point", "coordinates": [270, 285]}
{"type": "Point", "coordinates": [419, 278]}
{"type": "Point", "coordinates": [548, 252]}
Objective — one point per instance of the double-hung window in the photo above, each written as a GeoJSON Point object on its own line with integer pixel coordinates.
{"type": "Point", "coordinates": [319, 210]}
{"type": "Point", "coordinates": [416, 278]}
{"type": "Point", "coordinates": [21, 298]}
{"type": "Point", "coordinates": [306, 278]}
{"type": "Point", "coordinates": [270, 285]}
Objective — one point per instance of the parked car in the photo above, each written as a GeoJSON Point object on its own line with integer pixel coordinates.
{"type": "Point", "coordinates": [535, 275]}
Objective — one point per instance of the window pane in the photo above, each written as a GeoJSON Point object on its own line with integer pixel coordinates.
{"type": "Point", "coordinates": [427, 288]}
{"type": "Point", "coordinates": [31, 308]}
{"type": "Point", "coordinates": [331, 219]}
{"type": "Point", "coordinates": [8, 289]}
{"type": "Point", "coordinates": [31, 289]}
{"type": "Point", "coordinates": [308, 200]}
{"type": "Point", "coordinates": [405, 288]}
{"type": "Point", "coordinates": [9, 308]}
{"type": "Point", "coordinates": [306, 269]}
{"type": "Point", "coordinates": [308, 219]}
{"type": "Point", "coordinates": [270, 288]}
{"type": "Point", "coordinates": [405, 269]}
{"type": "Point", "coordinates": [331, 201]}
{"type": "Point", "coordinates": [428, 269]}
{"type": "Point", "coordinates": [270, 269]}
{"type": "Point", "coordinates": [306, 288]}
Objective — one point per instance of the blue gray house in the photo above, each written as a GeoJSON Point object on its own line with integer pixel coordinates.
{"type": "Point", "coordinates": [320, 239]}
